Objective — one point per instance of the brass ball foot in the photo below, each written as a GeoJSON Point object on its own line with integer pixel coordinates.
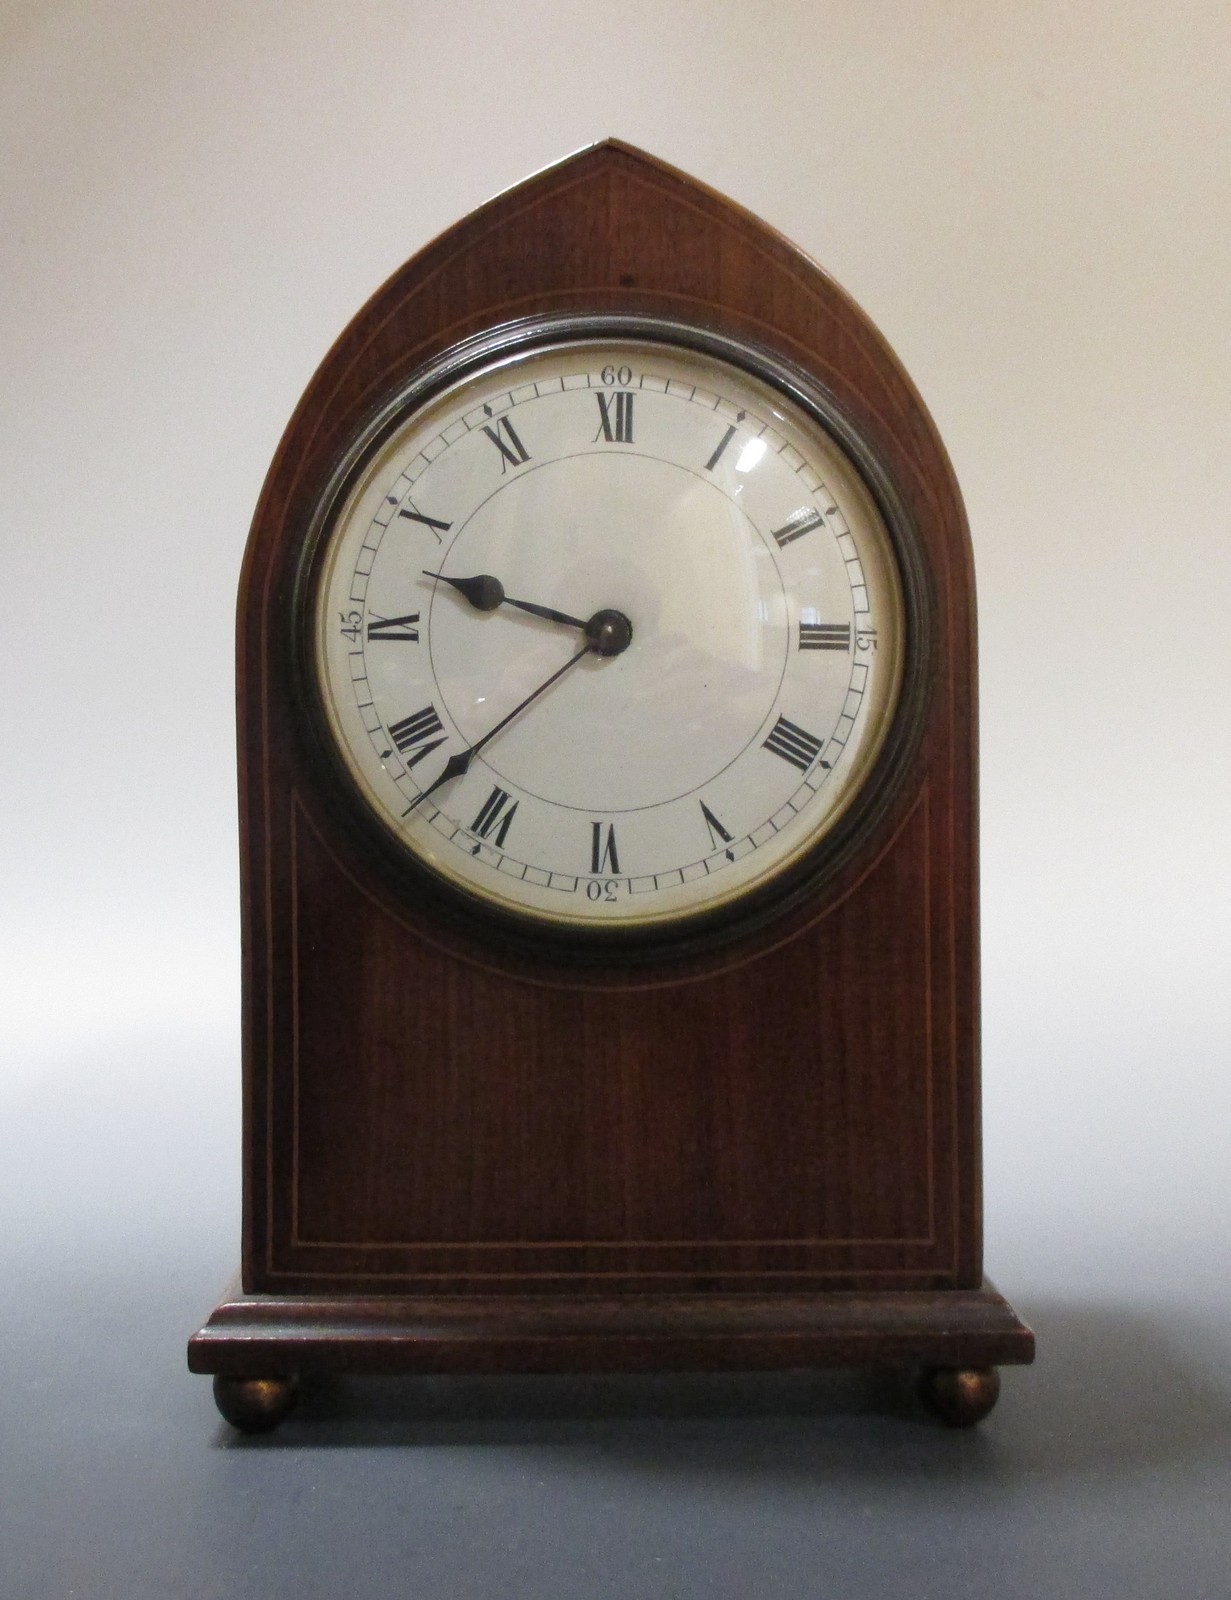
{"type": "Point", "coordinates": [255, 1405]}
{"type": "Point", "coordinates": [960, 1396]}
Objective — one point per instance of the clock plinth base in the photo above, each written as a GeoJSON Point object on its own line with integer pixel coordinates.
{"type": "Point", "coordinates": [959, 1336]}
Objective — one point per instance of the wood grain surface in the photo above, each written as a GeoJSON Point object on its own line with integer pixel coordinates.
{"type": "Point", "coordinates": [431, 1113]}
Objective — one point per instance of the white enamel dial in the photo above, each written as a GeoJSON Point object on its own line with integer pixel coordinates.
{"type": "Point", "coordinates": [697, 739]}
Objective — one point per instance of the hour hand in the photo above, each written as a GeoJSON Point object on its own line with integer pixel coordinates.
{"type": "Point", "coordinates": [485, 593]}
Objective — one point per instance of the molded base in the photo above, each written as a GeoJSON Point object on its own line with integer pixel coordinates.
{"type": "Point", "coordinates": [271, 1335]}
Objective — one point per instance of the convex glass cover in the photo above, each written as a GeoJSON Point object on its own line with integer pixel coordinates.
{"type": "Point", "coordinates": [609, 631]}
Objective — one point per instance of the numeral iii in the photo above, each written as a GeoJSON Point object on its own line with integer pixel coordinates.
{"type": "Point", "coordinates": [824, 636]}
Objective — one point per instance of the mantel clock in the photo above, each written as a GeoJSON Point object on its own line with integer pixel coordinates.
{"type": "Point", "coordinates": [607, 763]}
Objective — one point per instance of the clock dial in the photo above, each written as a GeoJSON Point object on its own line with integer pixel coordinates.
{"type": "Point", "coordinates": [610, 632]}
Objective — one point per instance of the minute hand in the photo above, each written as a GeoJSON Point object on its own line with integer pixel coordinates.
{"type": "Point", "coordinates": [457, 765]}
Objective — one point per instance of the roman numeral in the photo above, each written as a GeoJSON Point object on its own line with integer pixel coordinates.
{"type": "Point", "coordinates": [725, 440]}
{"type": "Point", "coordinates": [395, 628]}
{"type": "Point", "coordinates": [802, 522]}
{"type": "Point", "coordinates": [793, 744]}
{"type": "Point", "coordinates": [513, 452]}
{"type": "Point", "coordinates": [413, 730]}
{"type": "Point", "coordinates": [496, 815]}
{"type": "Point", "coordinates": [718, 834]}
{"type": "Point", "coordinates": [603, 857]}
{"type": "Point", "coordinates": [615, 422]}
{"type": "Point", "coordinates": [433, 523]}
{"type": "Point", "coordinates": [824, 636]}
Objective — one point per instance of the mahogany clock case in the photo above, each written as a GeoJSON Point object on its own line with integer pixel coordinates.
{"type": "Point", "coordinates": [463, 1150]}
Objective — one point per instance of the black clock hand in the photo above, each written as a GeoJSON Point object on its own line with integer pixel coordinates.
{"type": "Point", "coordinates": [457, 765]}
{"type": "Point", "coordinates": [485, 593]}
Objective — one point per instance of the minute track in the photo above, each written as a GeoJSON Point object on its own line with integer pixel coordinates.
{"type": "Point", "coordinates": [585, 520]}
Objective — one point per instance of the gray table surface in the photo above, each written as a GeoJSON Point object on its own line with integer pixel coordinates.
{"type": "Point", "coordinates": [1105, 1469]}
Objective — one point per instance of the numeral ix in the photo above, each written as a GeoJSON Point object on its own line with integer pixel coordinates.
{"type": "Point", "coordinates": [395, 628]}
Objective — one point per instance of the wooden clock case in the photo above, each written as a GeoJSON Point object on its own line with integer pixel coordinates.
{"type": "Point", "coordinates": [462, 1154]}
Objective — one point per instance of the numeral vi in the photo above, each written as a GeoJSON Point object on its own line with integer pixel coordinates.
{"type": "Point", "coordinates": [603, 856]}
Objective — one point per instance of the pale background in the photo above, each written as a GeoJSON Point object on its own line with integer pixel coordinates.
{"type": "Point", "coordinates": [1032, 199]}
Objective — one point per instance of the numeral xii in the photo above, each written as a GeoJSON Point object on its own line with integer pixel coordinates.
{"type": "Point", "coordinates": [615, 417]}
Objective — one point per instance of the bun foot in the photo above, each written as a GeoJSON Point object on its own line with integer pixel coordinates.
{"type": "Point", "coordinates": [960, 1396]}
{"type": "Point", "coordinates": [255, 1405]}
